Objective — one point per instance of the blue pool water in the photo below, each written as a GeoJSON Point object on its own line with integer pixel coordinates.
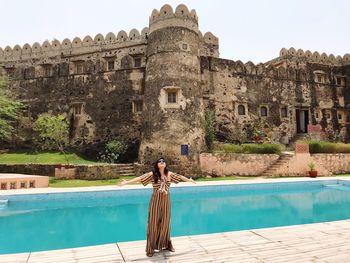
{"type": "Point", "coordinates": [62, 220]}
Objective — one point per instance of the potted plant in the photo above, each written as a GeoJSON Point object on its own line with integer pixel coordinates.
{"type": "Point", "coordinates": [312, 172]}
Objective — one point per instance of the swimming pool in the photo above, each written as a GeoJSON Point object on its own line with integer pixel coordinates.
{"type": "Point", "coordinates": [39, 222]}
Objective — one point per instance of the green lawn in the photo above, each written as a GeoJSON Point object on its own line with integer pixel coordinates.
{"type": "Point", "coordinates": [81, 183]}
{"type": "Point", "coordinates": [41, 158]}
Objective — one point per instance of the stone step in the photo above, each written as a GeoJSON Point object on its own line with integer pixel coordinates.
{"type": "Point", "coordinates": [124, 165]}
{"type": "Point", "coordinates": [282, 160]}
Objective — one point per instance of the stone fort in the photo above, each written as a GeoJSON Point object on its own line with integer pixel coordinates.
{"type": "Point", "coordinates": [152, 88]}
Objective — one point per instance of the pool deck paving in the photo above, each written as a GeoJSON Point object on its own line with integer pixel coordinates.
{"type": "Point", "coordinates": [319, 242]}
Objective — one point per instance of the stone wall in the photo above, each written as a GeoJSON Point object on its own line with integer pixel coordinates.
{"type": "Point", "coordinates": [298, 165]}
{"type": "Point", "coordinates": [336, 163]}
{"type": "Point", "coordinates": [86, 172]}
{"type": "Point", "coordinates": [228, 85]}
{"type": "Point", "coordinates": [225, 164]}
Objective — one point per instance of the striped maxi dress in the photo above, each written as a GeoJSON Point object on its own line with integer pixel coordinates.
{"type": "Point", "coordinates": [158, 227]}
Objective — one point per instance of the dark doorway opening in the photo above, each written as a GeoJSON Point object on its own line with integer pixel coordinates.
{"type": "Point", "coordinates": [302, 119]}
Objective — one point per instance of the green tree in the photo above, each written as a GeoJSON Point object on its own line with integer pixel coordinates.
{"type": "Point", "coordinates": [10, 110]}
{"type": "Point", "coordinates": [113, 150]}
{"type": "Point", "coordinates": [53, 132]}
{"type": "Point", "coordinates": [210, 128]}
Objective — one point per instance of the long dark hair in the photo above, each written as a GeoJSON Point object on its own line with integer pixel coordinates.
{"type": "Point", "coordinates": [155, 171]}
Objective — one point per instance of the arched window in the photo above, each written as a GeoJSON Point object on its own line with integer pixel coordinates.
{"type": "Point", "coordinates": [241, 110]}
{"type": "Point", "coordinates": [263, 111]}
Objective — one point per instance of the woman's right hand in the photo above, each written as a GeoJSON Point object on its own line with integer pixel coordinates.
{"type": "Point", "coordinates": [122, 183]}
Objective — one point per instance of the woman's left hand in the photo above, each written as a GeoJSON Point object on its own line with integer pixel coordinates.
{"type": "Point", "coordinates": [191, 180]}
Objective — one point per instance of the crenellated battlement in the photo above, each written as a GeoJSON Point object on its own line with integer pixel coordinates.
{"type": "Point", "coordinates": [166, 17]}
{"type": "Point", "coordinates": [315, 57]}
{"type": "Point", "coordinates": [75, 46]}
{"type": "Point", "coordinates": [167, 12]}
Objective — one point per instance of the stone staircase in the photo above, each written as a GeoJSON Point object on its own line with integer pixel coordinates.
{"type": "Point", "coordinates": [282, 160]}
{"type": "Point", "coordinates": [126, 169]}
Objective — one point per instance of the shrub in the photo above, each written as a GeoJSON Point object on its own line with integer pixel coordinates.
{"type": "Point", "coordinates": [228, 148]}
{"type": "Point", "coordinates": [328, 147]}
{"type": "Point", "coordinates": [262, 148]}
{"type": "Point", "coordinates": [252, 148]}
{"type": "Point", "coordinates": [113, 150]}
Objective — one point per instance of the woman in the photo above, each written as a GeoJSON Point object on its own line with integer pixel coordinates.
{"type": "Point", "coordinates": [158, 227]}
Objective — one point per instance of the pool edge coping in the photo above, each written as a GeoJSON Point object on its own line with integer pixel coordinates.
{"type": "Point", "coordinates": [51, 190]}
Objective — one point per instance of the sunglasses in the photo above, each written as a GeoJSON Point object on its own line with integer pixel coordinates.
{"type": "Point", "coordinates": [161, 161]}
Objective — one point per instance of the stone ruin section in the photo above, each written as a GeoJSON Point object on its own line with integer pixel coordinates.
{"type": "Point", "coordinates": [99, 83]}
{"type": "Point", "coordinates": [153, 87]}
{"type": "Point", "coordinates": [96, 83]}
{"type": "Point", "coordinates": [283, 96]}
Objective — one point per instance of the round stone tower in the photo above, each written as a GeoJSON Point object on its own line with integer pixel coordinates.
{"type": "Point", "coordinates": [173, 115]}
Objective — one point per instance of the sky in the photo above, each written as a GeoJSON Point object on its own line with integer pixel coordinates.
{"type": "Point", "coordinates": [248, 30]}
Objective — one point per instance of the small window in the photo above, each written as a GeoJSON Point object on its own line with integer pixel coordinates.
{"type": "Point", "coordinates": [241, 110]}
{"type": "Point", "coordinates": [26, 74]}
{"type": "Point", "coordinates": [137, 106]}
{"type": "Point", "coordinates": [263, 111]}
{"type": "Point", "coordinates": [137, 62]}
{"type": "Point", "coordinates": [284, 112]}
{"type": "Point", "coordinates": [184, 46]}
{"type": "Point", "coordinates": [79, 69]}
{"type": "Point", "coordinates": [77, 108]}
{"type": "Point", "coordinates": [10, 72]}
{"type": "Point", "coordinates": [339, 116]}
{"type": "Point", "coordinates": [317, 115]}
{"type": "Point", "coordinates": [320, 77]}
{"type": "Point", "coordinates": [348, 117]}
{"type": "Point", "coordinates": [172, 97]}
{"type": "Point", "coordinates": [110, 65]}
{"type": "Point", "coordinates": [328, 115]}
{"type": "Point", "coordinates": [340, 81]}
{"type": "Point", "coordinates": [47, 70]}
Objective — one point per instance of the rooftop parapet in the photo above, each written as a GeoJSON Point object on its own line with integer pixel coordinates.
{"type": "Point", "coordinates": [315, 56]}
{"type": "Point", "coordinates": [76, 46]}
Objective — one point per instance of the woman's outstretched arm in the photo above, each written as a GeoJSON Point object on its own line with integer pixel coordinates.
{"type": "Point", "coordinates": [144, 179]}
{"type": "Point", "coordinates": [125, 182]}
{"type": "Point", "coordinates": [179, 177]}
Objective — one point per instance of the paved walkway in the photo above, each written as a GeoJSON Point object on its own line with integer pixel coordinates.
{"type": "Point", "coordinates": [321, 242]}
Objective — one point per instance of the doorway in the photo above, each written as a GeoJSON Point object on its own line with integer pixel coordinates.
{"type": "Point", "coordinates": [302, 118]}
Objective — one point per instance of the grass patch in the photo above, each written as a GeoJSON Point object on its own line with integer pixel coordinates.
{"type": "Point", "coordinates": [83, 183]}
{"type": "Point", "coordinates": [250, 148]}
{"type": "Point", "coordinates": [42, 158]}
{"type": "Point", "coordinates": [327, 147]}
